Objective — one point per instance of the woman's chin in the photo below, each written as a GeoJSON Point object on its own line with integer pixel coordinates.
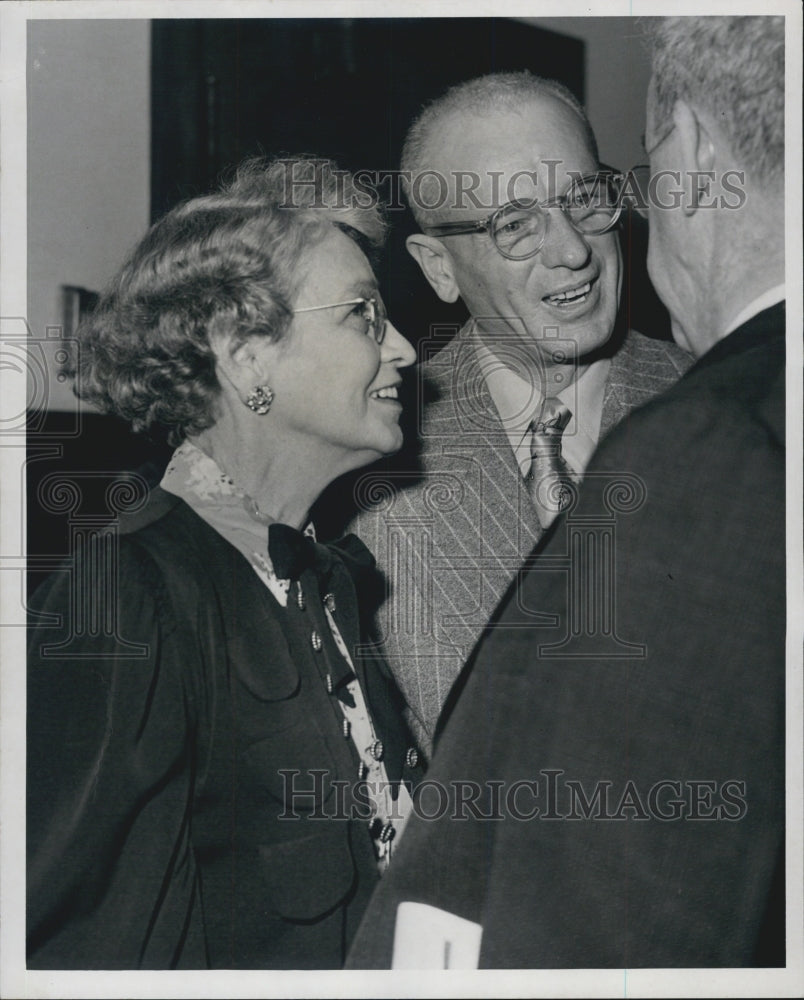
{"type": "Point", "coordinates": [374, 452]}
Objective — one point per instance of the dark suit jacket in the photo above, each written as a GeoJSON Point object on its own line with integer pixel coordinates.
{"type": "Point", "coordinates": [649, 719]}
{"type": "Point", "coordinates": [451, 529]}
{"type": "Point", "coordinates": [161, 833]}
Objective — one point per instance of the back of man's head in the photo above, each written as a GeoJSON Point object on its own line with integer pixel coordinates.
{"type": "Point", "coordinates": [715, 124]}
{"type": "Point", "coordinates": [733, 69]}
{"type": "Point", "coordinates": [483, 96]}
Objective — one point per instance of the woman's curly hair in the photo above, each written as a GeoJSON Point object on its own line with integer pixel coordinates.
{"type": "Point", "coordinates": [219, 266]}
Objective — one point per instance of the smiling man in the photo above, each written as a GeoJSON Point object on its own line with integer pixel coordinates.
{"type": "Point", "coordinates": [518, 221]}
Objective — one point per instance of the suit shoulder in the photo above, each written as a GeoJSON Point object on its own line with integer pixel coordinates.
{"type": "Point", "coordinates": [692, 421]}
{"type": "Point", "coordinates": [653, 357]}
{"type": "Point", "coordinates": [640, 369]}
{"type": "Point", "coordinates": [168, 535]}
{"type": "Point", "coordinates": [159, 504]}
{"type": "Point", "coordinates": [127, 589]}
{"type": "Point", "coordinates": [446, 364]}
{"type": "Point", "coordinates": [442, 350]}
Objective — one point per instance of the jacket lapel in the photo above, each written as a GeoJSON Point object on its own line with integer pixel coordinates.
{"type": "Point", "coordinates": [468, 435]}
{"type": "Point", "coordinates": [640, 370]}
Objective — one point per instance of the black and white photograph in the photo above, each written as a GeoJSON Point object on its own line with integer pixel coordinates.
{"type": "Point", "coordinates": [402, 589]}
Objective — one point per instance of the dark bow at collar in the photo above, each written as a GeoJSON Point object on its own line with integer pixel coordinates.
{"type": "Point", "coordinates": [292, 552]}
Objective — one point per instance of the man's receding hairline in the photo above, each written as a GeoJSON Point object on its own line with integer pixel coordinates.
{"type": "Point", "coordinates": [435, 141]}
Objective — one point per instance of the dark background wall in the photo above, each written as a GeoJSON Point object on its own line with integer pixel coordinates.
{"type": "Point", "coordinates": [346, 89]}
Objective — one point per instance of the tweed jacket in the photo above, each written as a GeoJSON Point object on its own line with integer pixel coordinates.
{"type": "Point", "coordinates": [451, 526]}
{"type": "Point", "coordinates": [648, 745]}
{"type": "Point", "coordinates": [184, 755]}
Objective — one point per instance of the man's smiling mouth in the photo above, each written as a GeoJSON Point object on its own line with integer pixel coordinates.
{"type": "Point", "coordinates": [570, 296]}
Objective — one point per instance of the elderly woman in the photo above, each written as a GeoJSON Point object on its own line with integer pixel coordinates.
{"type": "Point", "coordinates": [217, 780]}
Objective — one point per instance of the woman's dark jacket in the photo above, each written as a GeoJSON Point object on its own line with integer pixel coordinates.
{"type": "Point", "coordinates": [162, 832]}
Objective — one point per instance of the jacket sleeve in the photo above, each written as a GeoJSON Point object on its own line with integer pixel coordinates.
{"type": "Point", "coordinates": [111, 882]}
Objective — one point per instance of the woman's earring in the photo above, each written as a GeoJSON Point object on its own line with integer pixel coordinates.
{"type": "Point", "coordinates": [259, 399]}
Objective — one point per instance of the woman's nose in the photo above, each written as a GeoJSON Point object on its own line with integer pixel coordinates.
{"type": "Point", "coordinates": [396, 348]}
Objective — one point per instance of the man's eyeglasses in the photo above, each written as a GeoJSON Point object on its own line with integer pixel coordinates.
{"type": "Point", "coordinates": [370, 311]}
{"type": "Point", "coordinates": [636, 192]}
{"type": "Point", "coordinates": [635, 195]}
{"type": "Point", "coordinates": [592, 204]}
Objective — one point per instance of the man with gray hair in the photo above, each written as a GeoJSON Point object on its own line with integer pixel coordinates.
{"type": "Point", "coordinates": [615, 798]}
{"type": "Point", "coordinates": [518, 220]}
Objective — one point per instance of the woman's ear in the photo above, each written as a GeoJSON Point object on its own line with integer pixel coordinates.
{"type": "Point", "coordinates": [244, 363]}
{"type": "Point", "coordinates": [436, 264]}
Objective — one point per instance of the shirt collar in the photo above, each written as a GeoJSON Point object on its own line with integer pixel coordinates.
{"type": "Point", "coordinates": [518, 400]}
{"type": "Point", "coordinates": [757, 305]}
{"type": "Point", "coordinates": [213, 495]}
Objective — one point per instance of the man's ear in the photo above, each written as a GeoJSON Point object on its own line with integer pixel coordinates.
{"type": "Point", "coordinates": [698, 146]}
{"type": "Point", "coordinates": [436, 263]}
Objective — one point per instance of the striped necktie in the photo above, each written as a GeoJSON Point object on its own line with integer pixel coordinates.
{"type": "Point", "coordinates": [549, 479]}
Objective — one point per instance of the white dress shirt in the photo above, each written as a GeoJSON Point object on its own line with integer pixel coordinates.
{"type": "Point", "coordinates": [756, 306]}
{"type": "Point", "coordinates": [519, 400]}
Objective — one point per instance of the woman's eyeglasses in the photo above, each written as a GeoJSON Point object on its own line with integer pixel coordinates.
{"type": "Point", "coordinates": [371, 311]}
